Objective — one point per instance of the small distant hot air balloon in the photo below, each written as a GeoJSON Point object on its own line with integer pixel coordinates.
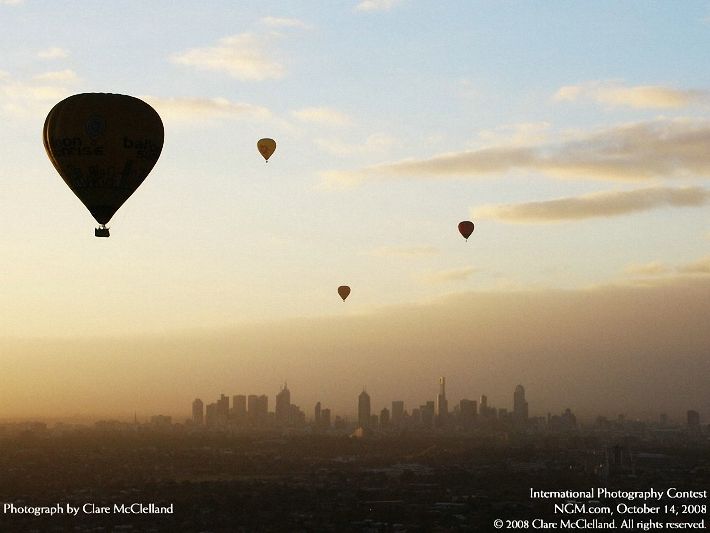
{"type": "Point", "coordinates": [466, 228]}
{"type": "Point", "coordinates": [103, 146]}
{"type": "Point", "coordinates": [343, 291]}
{"type": "Point", "coordinates": [266, 147]}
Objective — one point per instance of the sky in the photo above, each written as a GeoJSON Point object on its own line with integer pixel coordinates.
{"type": "Point", "coordinates": [575, 135]}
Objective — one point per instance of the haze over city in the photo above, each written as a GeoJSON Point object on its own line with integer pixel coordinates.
{"type": "Point", "coordinates": [579, 150]}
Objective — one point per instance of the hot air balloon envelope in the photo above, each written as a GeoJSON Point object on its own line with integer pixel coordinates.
{"type": "Point", "coordinates": [103, 146]}
{"type": "Point", "coordinates": [266, 147]}
{"type": "Point", "coordinates": [343, 291]}
{"type": "Point", "coordinates": [466, 228]}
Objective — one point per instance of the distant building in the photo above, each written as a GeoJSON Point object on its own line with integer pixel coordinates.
{"type": "Point", "coordinates": [211, 415]}
{"type": "Point", "coordinates": [282, 410]}
{"type": "Point", "coordinates": [252, 408]}
{"type": "Point", "coordinates": [198, 412]}
{"type": "Point", "coordinates": [239, 408]}
{"type": "Point", "coordinates": [262, 409]}
{"type": "Point", "coordinates": [483, 406]}
{"type": "Point", "coordinates": [363, 409]}
{"type": "Point", "coordinates": [385, 418]}
{"type": "Point", "coordinates": [316, 415]}
{"type": "Point", "coordinates": [427, 412]}
{"type": "Point", "coordinates": [222, 410]}
{"type": "Point", "coordinates": [397, 413]}
{"type": "Point", "coordinates": [442, 406]}
{"type": "Point", "coordinates": [520, 406]}
{"type": "Point", "coordinates": [467, 412]}
{"type": "Point", "coordinates": [325, 419]}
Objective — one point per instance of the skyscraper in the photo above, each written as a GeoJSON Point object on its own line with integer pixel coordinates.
{"type": "Point", "coordinates": [520, 406]}
{"type": "Point", "coordinates": [198, 412]}
{"type": "Point", "coordinates": [282, 409]}
{"type": "Point", "coordinates": [316, 415]}
{"type": "Point", "coordinates": [442, 406]}
{"type": "Point", "coordinates": [397, 413]}
{"type": "Point", "coordinates": [363, 409]}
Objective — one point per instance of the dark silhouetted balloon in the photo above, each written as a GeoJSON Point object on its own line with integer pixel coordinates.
{"type": "Point", "coordinates": [266, 147]}
{"type": "Point", "coordinates": [103, 146]}
{"type": "Point", "coordinates": [343, 291]}
{"type": "Point", "coordinates": [466, 228]}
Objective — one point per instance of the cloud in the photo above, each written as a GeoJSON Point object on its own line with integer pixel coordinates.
{"type": "Point", "coordinates": [321, 115]}
{"type": "Point", "coordinates": [600, 204]}
{"type": "Point", "coordinates": [640, 96]}
{"type": "Point", "coordinates": [701, 266]}
{"type": "Point", "coordinates": [654, 268]}
{"type": "Point", "coordinates": [403, 251]}
{"type": "Point", "coordinates": [11, 2]}
{"type": "Point", "coordinates": [53, 52]}
{"type": "Point", "coordinates": [377, 5]}
{"type": "Point", "coordinates": [664, 148]}
{"type": "Point", "coordinates": [61, 76]}
{"type": "Point", "coordinates": [447, 276]}
{"type": "Point", "coordinates": [201, 108]}
{"type": "Point", "coordinates": [243, 56]}
{"type": "Point", "coordinates": [36, 96]}
{"type": "Point", "coordinates": [277, 22]}
{"type": "Point", "coordinates": [375, 143]}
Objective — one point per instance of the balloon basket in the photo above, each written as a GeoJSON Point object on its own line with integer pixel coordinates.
{"type": "Point", "coordinates": [101, 232]}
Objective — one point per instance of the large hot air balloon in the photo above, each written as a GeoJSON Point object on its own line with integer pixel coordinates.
{"type": "Point", "coordinates": [266, 147]}
{"type": "Point", "coordinates": [466, 228]}
{"type": "Point", "coordinates": [103, 146]}
{"type": "Point", "coordinates": [343, 291]}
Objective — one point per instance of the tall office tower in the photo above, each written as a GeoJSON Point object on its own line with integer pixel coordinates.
{"type": "Point", "coordinates": [252, 408]}
{"type": "Point", "coordinates": [693, 418]}
{"type": "Point", "coordinates": [296, 417]}
{"type": "Point", "coordinates": [316, 415]}
{"type": "Point", "coordinates": [427, 412]}
{"type": "Point", "coordinates": [520, 406]}
{"type": "Point", "coordinates": [282, 410]}
{"type": "Point", "coordinates": [442, 406]}
{"type": "Point", "coordinates": [384, 418]}
{"type": "Point", "coordinates": [397, 413]}
{"type": "Point", "coordinates": [363, 409]}
{"type": "Point", "coordinates": [483, 406]}
{"type": "Point", "coordinates": [467, 412]}
{"type": "Point", "coordinates": [198, 412]}
{"type": "Point", "coordinates": [239, 408]}
{"type": "Point", "coordinates": [211, 415]}
{"type": "Point", "coordinates": [222, 410]}
{"type": "Point", "coordinates": [325, 418]}
{"type": "Point", "coordinates": [262, 409]}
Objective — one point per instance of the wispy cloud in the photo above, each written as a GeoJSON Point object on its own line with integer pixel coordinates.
{"type": "Point", "coordinates": [403, 251]}
{"type": "Point", "coordinates": [448, 276]}
{"type": "Point", "coordinates": [601, 204]}
{"type": "Point", "coordinates": [377, 5]}
{"type": "Point", "coordinates": [279, 22]}
{"type": "Point", "coordinates": [60, 76]}
{"type": "Point", "coordinates": [664, 148]}
{"type": "Point", "coordinates": [53, 52]}
{"type": "Point", "coordinates": [322, 115]}
{"type": "Point", "coordinates": [375, 143]}
{"type": "Point", "coordinates": [701, 266]}
{"type": "Point", "coordinates": [639, 96]}
{"type": "Point", "coordinates": [35, 96]}
{"type": "Point", "coordinates": [654, 268]}
{"type": "Point", "coordinates": [244, 56]}
{"type": "Point", "coordinates": [201, 108]}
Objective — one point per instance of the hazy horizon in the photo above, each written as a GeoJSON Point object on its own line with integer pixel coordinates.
{"type": "Point", "coordinates": [599, 350]}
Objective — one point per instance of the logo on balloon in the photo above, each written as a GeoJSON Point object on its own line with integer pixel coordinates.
{"type": "Point", "coordinates": [95, 126]}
